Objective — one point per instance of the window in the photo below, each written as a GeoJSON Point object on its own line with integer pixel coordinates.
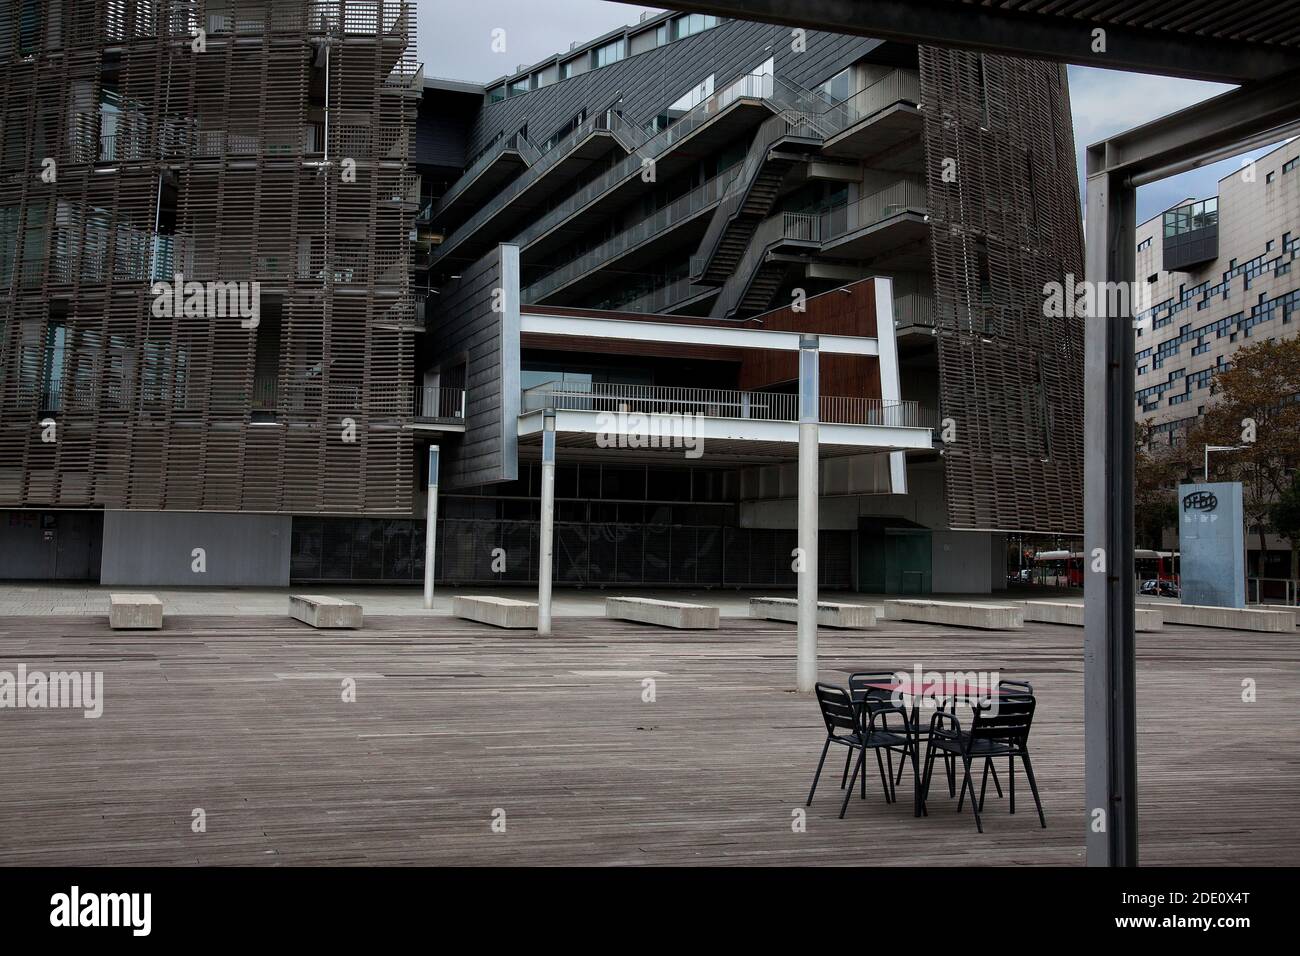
{"type": "Point", "coordinates": [1290, 164]}
{"type": "Point", "coordinates": [496, 94]}
{"type": "Point", "coordinates": [838, 88]}
{"type": "Point", "coordinates": [56, 338]}
{"type": "Point", "coordinates": [693, 23]}
{"type": "Point", "coordinates": [683, 105]}
{"type": "Point", "coordinates": [1269, 177]}
{"type": "Point", "coordinates": [519, 86]}
{"type": "Point", "coordinates": [611, 52]}
{"type": "Point", "coordinates": [1144, 244]}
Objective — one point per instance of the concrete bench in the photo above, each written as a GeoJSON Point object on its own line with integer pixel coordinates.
{"type": "Point", "coordinates": [1236, 618]}
{"type": "Point", "coordinates": [1285, 608]}
{"type": "Point", "coordinates": [1146, 619]}
{"type": "Point", "coordinates": [689, 617]}
{"type": "Point", "coordinates": [497, 611]}
{"type": "Point", "coordinates": [134, 612]}
{"type": "Point", "coordinates": [324, 612]}
{"type": "Point", "coordinates": [989, 617]}
{"type": "Point", "coordinates": [829, 613]}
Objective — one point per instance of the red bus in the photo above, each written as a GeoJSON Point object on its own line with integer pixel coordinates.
{"type": "Point", "coordinates": [1065, 568]}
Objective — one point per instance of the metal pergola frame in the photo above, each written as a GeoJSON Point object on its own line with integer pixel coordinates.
{"type": "Point", "coordinates": [1264, 110]}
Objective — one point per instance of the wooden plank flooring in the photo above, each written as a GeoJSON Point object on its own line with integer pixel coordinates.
{"type": "Point", "coordinates": [244, 718]}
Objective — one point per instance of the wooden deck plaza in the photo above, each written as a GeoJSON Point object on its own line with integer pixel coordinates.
{"type": "Point", "coordinates": [245, 719]}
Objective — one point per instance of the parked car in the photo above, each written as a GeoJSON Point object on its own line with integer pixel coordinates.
{"type": "Point", "coordinates": [1161, 588]}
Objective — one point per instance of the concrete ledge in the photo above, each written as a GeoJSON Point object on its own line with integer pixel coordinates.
{"type": "Point", "coordinates": [829, 613]}
{"type": "Point", "coordinates": [1146, 619]}
{"type": "Point", "coordinates": [1285, 608]}
{"type": "Point", "coordinates": [989, 617]}
{"type": "Point", "coordinates": [1236, 618]}
{"type": "Point", "coordinates": [134, 612]}
{"type": "Point", "coordinates": [689, 617]}
{"type": "Point", "coordinates": [497, 611]}
{"type": "Point", "coordinates": [324, 612]}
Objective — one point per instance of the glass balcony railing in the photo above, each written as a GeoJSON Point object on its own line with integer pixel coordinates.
{"type": "Point", "coordinates": [897, 86]}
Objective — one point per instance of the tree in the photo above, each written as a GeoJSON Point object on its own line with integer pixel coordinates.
{"type": "Point", "coordinates": [1256, 405]}
{"type": "Point", "coordinates": [1157, 469]}
{"type": "Point", "coordinates": [1285, 516]}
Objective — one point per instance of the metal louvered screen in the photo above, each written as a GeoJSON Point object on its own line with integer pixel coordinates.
{"type": "Point", "coordinates": [1006, 224]}
{"type": "Point", "coordinates": [214, 164]}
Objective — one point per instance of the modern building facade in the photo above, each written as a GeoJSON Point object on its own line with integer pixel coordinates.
{"type": "Point", "coordinates": [259, 148]}
{"type": "Point", "coordinates": [1217, 276]}
{"type": "Point", "coordinates": [649, 225]}
{"type": "Point", "coordinates": [729, 174]}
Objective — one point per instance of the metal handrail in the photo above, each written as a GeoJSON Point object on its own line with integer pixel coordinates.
{"type": "Point", "coordinates": [681, 209]}
{"type": "Point", "coordinates": [784, 226]}
{"type": "Point", "coordinates": [518, 143]}
{"type": "Point", "coordinates": [750, 85]}
{"type": "Point", "coordinates": [783, 124]}
{"type": "Point", "coordinates": [720, 403]}
{"type": "Point", "coordinates": [439, 403]}
{"type": "Point", "coordinates": [903, 196]}
{"type": "Point", "coordinates": [543, 164]}
{"type": "Point", "coordinates": [897, 86]}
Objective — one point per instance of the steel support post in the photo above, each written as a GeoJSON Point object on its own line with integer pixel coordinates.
{"type": "Point", "coordinates": [1110, 741]}
{"type": "Point", "coordinates": [809, 406]}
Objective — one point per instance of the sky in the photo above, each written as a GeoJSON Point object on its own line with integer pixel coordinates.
{"type": "Point", "coordinates": [456, 41]}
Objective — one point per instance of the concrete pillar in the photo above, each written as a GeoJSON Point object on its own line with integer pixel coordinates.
{"type": "Point", "coordinates": [1109, 697]}
{"type": "Point", "coordinates": [809, 408]}
{"type": "Point", "coordinates": [546, 530]}
{"type": "Point", "coordinates": [430, 527]}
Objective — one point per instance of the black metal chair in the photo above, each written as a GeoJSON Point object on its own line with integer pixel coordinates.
{"type": "Point", "coordinates": [854, 726]}
{"type": "Point", "coordinates": [996, 731]}
{"type": "Point", "coordinates": [864, 695]}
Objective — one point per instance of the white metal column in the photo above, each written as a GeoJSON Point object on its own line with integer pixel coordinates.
{"type": "Point", "coordinates": [809, 402]}
{"type": "Point", "coordinates": [546, 530]}
{"type": "Point", "coordinates": [430, 527]}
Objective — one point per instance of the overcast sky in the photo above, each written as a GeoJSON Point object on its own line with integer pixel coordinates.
{"type": "Point", "coordinates": [455, 41]}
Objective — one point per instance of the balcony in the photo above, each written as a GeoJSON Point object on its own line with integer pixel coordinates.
{"type": "Point", "coordinates": [888, 219]}
{"type": "Point", "coordinates": [508, 208]}
{"type": "Point", "coordinates": [877, 119]}
{"type": "Point", "coordinates": [484, 177]}
{"type": "Point", "coordinates": [641, 239]}
{"type": "Point", "coordinates": [718, 119]}
{"type": "Point", "coordinates": [439, 406]}
{"type": "Point", "coordinates": [729, 424]}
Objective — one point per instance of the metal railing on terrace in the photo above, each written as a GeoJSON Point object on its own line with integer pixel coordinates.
{"type": "Point", "coordinates": [902, 196]}
{"type": "Point", "coordinates": [438, 403]}
{"type": "Point", "coordinates": [678, 211]}
{"type": "Point", "coordinates": [720, 403]}
{"type": "Point", "coordinates": [897, 86]}
{"type": "Point", "coordinates": [608, 121]}
{"type": "Point", "coordinates": [751, 85]}
{"type": "Point", "coordinates": [657, 299]}
{"type": "Point", "coordinates": [518, 143]}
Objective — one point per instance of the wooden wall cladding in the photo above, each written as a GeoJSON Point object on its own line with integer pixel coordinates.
{"type": "Point", "coordinates": [214, 164]}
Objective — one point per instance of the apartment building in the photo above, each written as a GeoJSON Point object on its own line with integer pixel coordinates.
{"type": "Point", "coordinates": [157, 157]}
{"type": "Point", "coordinates": [1216, 275]}
{"type": "Point", "coordinates": [672, 184]}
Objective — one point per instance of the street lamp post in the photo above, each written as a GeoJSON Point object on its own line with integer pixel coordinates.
{"type": "Point", "coordinates": [1210, 448]}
